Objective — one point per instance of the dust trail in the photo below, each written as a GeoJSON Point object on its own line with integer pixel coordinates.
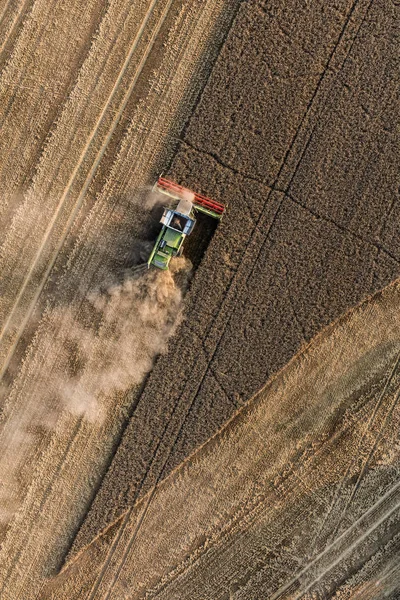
{"type": "Point", "coordinates": [135, 320]}
{"type": "Point", "coordinates": [105, 348]}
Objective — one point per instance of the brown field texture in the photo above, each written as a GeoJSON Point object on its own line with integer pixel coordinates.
{"type": "Point", "coordinates": [295, 130]}
{"type": "Point", "coordinates": [297, 497]}
{"type": "Point", "coordinates": [305, 237]}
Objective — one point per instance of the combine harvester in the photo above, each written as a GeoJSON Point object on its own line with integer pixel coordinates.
{"type": "Point", "coordinates": [179, 222]}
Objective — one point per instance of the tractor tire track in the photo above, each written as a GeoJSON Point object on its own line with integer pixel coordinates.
{"type": "Point", "coordinates": [28, 97]}
{"type": "Point", "coordinates": [67, 189]}
{"type": "Point", "coordinates": [366, 462]}
{"type": "Point", "coordinates": [10, 25]}
{"type": "Point", "coordinates": [367, 429]}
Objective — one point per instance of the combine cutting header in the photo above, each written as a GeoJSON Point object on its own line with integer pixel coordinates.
{"type": "Point", "coordinates": [178, 221]}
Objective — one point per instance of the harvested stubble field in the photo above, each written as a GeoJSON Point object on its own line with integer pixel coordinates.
{"type": "Point", "coordinates": [297, 497]}
{"type": "Point", "coordinates": [93, 99]}
{"type": "Point", "coordinates": [295, 130]}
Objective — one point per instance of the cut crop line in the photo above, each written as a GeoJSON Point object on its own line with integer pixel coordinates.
{"type": "Point", "coordinates": [84, 95]}
{"type": "Point", "coordinates": [123, 525]}
{"type": "Point", "coordinates": [61, 90]}
{"type": "Point", "coordinates": [85, 185]}
{"type": "Point", "coordinates": [15, 22]}
{"type": "Point", "coordinates": [135, 532]}
{"type": "Point", "coordinates": [381, 501]}
{"type": "Point", "coordinates": [144, 58]}
{"type": "Point", "coordinates": [224, 326]}
{"type": "Point", "coordinates": [133, 536]}
{"type": "Point", "coordinates": [250, 513]}
{"type": "Point", "coordinates": [365, 432]}
{"type": "Point", "coordinates": [32, 51]}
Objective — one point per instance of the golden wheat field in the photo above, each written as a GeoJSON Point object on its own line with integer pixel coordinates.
{"type": "Point", "coordinates": [139, 458]}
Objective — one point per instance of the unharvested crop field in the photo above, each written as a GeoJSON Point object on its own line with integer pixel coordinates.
{"type": "Point", "coordinates": [295, 130]}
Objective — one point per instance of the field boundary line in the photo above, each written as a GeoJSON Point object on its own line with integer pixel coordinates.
{"type": "Point", "coordinates": [83, 189]}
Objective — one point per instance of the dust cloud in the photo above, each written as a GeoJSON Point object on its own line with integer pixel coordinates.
{"type": "Point", "coordinates": [133, 322]}
{"type": "Point", "coordinates": [97, 350]}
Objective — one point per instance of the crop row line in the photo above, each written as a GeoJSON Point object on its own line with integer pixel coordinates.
{"type": "Point", "coordinates": [85, 186]}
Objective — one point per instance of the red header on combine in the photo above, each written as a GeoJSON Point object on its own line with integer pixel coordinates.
{"type": "Point", "coordinates": [198, 199]}
{"type": "Point", "coordinates": [178, 220]}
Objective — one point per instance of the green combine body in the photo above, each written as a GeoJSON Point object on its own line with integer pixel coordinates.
{"type": "Point", "coordinates": [168, 244]}
{"type": "Point", "coordinates": [178, 222]}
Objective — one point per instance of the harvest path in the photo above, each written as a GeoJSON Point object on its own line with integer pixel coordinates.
{"type": "Point", "coordinates": [95, 122]}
